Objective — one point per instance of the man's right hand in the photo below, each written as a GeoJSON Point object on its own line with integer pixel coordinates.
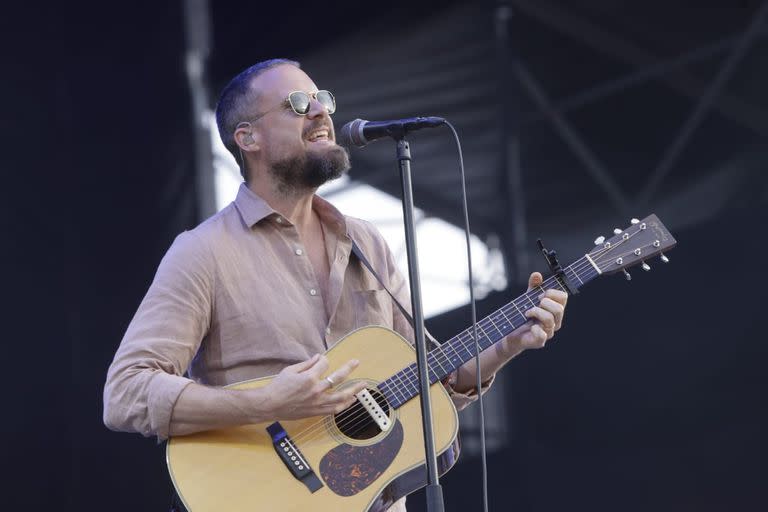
{"type": "Point", "coordinates": [300, 391]}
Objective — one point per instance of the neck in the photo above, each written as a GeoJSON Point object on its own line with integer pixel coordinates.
{"type": "Point", "coordinates": [452, 354]}
{"type": "Point", "coordinates": [295, 205]}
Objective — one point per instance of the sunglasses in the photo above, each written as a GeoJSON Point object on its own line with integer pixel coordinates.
{"type": "Point", "coordinates": [300, 102]}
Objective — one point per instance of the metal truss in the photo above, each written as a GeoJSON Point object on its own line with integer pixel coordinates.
{"type": "Point", "coordinates": [708, 98]}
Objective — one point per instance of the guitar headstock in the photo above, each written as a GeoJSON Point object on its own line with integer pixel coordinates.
{"type": "Point", "coordinates": [642, 240]}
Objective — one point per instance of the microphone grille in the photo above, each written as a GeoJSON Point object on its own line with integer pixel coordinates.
{"type": "Point", "coordinates": [351, 134]}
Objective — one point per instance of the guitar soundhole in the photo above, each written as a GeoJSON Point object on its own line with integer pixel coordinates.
{"type": "Point", "coordinates": [355, 422]}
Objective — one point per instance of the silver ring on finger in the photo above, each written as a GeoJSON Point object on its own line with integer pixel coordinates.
{"type": "Point", "coordinates": [329, 380]}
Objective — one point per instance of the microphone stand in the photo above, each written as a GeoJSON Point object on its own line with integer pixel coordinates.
{"type": "Point", "coordinates": [434, 490]}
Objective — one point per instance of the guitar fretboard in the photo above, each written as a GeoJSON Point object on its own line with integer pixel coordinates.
{"type": "Point", "coordinates": [442, 361]}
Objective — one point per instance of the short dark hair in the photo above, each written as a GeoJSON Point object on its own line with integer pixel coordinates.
{"type": "Point", "coordinates": [232, 107]}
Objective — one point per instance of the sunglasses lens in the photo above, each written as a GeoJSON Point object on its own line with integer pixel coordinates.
{"type": "Point", "coordinates": [299, 102]}
{"type": "Point", "coordinates": [327, 100]}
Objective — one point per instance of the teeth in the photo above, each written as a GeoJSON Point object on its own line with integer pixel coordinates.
{"type": "Point", "coordinates": [317, 135]}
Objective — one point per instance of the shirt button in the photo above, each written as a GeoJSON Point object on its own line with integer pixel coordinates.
{"type": "Point", "coordinates": [279, 219]}
{"type": "Point", "coordinates": [299, 252]}
{"type": "Point", "coordinates": [327, 331]}
{"type": "Point", "coordinates": [313, 292]}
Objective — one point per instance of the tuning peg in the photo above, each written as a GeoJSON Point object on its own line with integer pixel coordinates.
{"type": "Point", "coordinates": [600, 240]}
{"type": "Point", "coordinates": [664, 258]}
{"type": "Point", "coordinates": [617, 231]}
{"type": "Point", "coordinates": [646, 266]}
{"type": "Point", "coordinates": [635, 221]}
{"type": "Point", "coordinates": [627, 275]}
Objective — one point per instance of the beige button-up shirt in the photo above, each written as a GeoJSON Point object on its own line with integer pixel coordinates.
{"type": "Point", "coordinates": [236, 298]}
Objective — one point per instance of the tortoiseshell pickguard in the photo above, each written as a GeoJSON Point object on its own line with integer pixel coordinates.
{"type": "Point", "coordinates": [348, 469]}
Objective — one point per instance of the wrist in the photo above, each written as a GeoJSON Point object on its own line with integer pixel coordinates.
{"type": "Point", "coordinates": [510, 347]}
{"type": "Point", "coordinates": [257, 404]}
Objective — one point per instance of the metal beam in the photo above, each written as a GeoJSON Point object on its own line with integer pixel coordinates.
{"type": "Point", "coordinates": [198, 36]}
{"type": "Point", "coordinates": [610, 44]}
{"type": "Point", "coordinates": [702, 108]}
{"type": "Point", "coordinates": [571, 138]}
{"type": "Point", "coordinates": [513, 223]}
{"type": "Point", "coordinates": [638, 77]}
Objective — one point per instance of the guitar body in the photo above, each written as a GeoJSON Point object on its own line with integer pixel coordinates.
{"type": "Point", "coordinates": [237, 469]}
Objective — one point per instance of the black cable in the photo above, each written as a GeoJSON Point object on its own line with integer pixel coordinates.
{"type": "Point", "coordinates": [474, 319]}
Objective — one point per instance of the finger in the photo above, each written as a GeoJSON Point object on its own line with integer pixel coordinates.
{"type": "Point", "coordinates": [319, 368]}
{"type": "Point", "coordinates": [544, 317]}
{"type": "Point", "coordinates": [557, 295]}
{"type": "Point", "coordinates": [343, 397]}
{"type": "Point", "coordinates": [535, 280]}
{"type": "Point", "coordinates": [557, 310]}
{"type": "Point", "coordinates": [535, 338]}
{"type": "Point", "coordinates": [303, 365]}
{"type": "Point", "coordinates": [341, 406]}
{"type": "Point", "coordinates": [342, 373]}
{"type": "Point", "coordinates": [541, 335]}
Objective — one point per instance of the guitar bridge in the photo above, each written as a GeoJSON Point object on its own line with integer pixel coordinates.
{"type": "Point", "coordinates": [292, 458]}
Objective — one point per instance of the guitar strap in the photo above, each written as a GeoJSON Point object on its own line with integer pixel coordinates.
{"type": "Point", "coordinates": [359, 253]}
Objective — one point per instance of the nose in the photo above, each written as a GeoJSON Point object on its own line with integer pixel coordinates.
{"type": "Point", "coordinates": [316, 109]}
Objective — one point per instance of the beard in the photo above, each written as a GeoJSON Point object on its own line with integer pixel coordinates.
{"type": "Point", "coordinates": [308, 171]}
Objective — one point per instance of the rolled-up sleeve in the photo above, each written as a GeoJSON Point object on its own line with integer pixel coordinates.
{"type": "Point", "coordinates": [146, 376]}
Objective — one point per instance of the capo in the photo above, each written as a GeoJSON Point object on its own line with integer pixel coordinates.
{"type": "Point", "coordinates": [557, 270]}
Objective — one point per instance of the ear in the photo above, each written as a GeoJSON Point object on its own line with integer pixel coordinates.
{"type": "Point", "coordinates": [246, 139]}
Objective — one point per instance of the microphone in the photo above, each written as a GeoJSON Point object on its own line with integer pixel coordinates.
{"type": "Point", "coordinates": [360, 132]}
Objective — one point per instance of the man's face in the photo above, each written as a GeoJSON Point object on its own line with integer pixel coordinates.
{"type": "Point", "coordinates": [300, 151]}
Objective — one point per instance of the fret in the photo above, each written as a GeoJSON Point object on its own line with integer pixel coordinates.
{"type": "Point", "coordinates": [490, 319]}
{"type": "Point", "coordinates": [410, 382]}
{"type": "Point", "coordinates": [430, 366]}
{"type": "Point", "coordinates": [456, 357]}
{"type": "Point", "coordinates": [577, 276]}
{"type": "Point", "coordinates": [400, 385]}
{"type": "Point", "coordinates": [514, 303]}
{"type": "Point", "coordinates": [518, 318]}
{"type": "Point", "coordinates": [460, 342]}
{"type": "Point", "coordinates": [447, 365]}
{"type": "Point", "coordinates": [481, 330]}
{"type": "Point", "coordinates": [504, 321]}
{"type": "Point", "coordinates": [441, 361]}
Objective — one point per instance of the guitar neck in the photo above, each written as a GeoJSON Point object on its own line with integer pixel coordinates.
{"type": "Point", "coordinates": [445, 359]}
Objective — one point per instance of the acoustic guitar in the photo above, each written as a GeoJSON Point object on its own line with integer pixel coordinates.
{"type": "Point", "coordinates": [374, 450]}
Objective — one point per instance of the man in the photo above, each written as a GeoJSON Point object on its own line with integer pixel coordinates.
{"type": "Point", "coordinates": [269, 283]}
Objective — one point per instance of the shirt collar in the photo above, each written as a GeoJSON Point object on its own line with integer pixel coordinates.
{"type": "Point", "coordinates": [253, 209]}
{"type": "Point", "coordinates": [330, 216]}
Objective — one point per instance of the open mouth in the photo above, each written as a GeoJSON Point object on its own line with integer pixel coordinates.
{"type": "Point", "coordinates": [321, 135]}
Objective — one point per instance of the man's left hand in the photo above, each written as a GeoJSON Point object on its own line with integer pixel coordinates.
{"type": "Point", "coordinates": [544, 319]}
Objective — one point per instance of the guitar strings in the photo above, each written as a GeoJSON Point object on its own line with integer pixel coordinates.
{"type": "Point", "coordinates": [578, 270]}
{"type": "Point", "coordinates": [361, 417]}
{"type": "Point", "coordinates": [489, 320]}
{"type": "Point", "coordinates": [362, 414]}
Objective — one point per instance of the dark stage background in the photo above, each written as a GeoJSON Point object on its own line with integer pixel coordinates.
{"type": "Point", "coordinates": [653, 396]}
